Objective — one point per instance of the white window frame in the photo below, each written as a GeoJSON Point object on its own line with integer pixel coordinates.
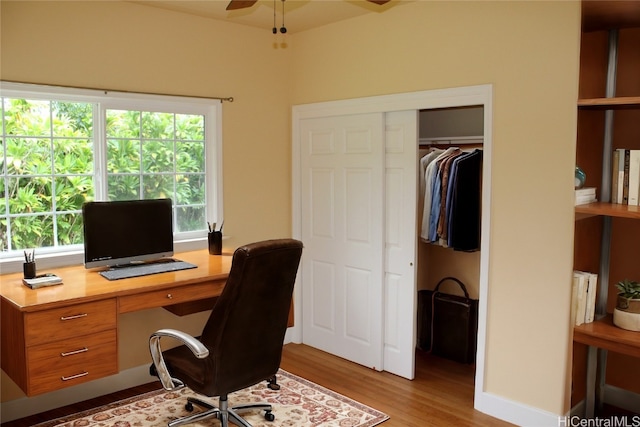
{"type": "Point", "coordinates": [211, 109]}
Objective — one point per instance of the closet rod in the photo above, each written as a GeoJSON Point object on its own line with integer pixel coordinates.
{"type": "Point", "coordinates": [452, 140]}
{"type": "Point", "coordinates": [106, 91]}
{"type": "Point", "coordinates": [467, 141]}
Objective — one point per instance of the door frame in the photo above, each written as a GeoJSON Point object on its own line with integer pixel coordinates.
{"type": "Point", "coordinates": [422, 100]}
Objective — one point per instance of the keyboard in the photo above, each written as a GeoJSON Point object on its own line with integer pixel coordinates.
{"type": "Point", "coordinates": [146, 269]}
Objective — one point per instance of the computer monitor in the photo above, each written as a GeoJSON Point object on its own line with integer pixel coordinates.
{"type": "Point", "coordinates": [127, 232]}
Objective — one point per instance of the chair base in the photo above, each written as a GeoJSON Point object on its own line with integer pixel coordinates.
{"type": "Point", "coordinates": [222, 412]}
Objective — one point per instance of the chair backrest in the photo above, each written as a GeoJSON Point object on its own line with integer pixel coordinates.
{"type": "Point", "coordinates": [245, 331]}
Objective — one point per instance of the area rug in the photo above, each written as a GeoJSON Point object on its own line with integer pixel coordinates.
{"type": "Point", "coordinates": [298, 403]}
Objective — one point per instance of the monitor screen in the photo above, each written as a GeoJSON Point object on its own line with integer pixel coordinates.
{"type": "Point", "coordinates": [125, 232]}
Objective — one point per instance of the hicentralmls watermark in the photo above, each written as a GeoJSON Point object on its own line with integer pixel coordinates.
{"type": "Point", "coordinates": [616, 421]}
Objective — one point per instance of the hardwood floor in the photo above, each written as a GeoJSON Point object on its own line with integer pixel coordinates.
{"type": "Point", "coordinates": [441, 394]}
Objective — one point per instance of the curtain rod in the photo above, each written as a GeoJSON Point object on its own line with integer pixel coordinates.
{"type": "Point", "coordinates": [106, 91]}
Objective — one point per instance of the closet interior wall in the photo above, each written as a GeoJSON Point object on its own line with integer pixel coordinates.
{"type": "Point", "coordinates": [462, 127]}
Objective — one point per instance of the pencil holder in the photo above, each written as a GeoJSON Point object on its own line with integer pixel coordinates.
{"type": "Point", "coordinates": [29, 269]}
{"type": "Point", "coordinates": [215, 243]}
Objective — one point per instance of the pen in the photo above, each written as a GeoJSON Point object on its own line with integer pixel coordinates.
{"type": "Point", "coordinates": [221, 225]}
{"type": "Point", "coordinates": [209, 225]}
{"type": "Point", "coordinates": [26, 257]}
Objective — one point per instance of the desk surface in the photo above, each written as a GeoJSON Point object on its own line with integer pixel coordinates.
{"type": "Point", "coordinates": [59, 336]}
{"type": "Point", "coordinates": [82, 285]}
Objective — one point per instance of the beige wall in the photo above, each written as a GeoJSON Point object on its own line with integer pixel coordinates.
{"type": "Point", "coordinates": [125, 46]}
{"type": "Point", "coordinates": [527, 50]}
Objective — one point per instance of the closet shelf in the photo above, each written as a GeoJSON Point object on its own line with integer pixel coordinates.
{"type": "Point", "coordinates": [607, 209]}
{"type": "Point", "coordinates": [603, 333]}
{"type": "Point", "coordinates": [618, 103]}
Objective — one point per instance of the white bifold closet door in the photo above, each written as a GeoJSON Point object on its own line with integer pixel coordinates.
{"type": "Point", "coordinates": [358, 302]}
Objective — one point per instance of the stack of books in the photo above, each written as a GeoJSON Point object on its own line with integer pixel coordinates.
{"type": "Point", "coordinates": [585, 195]}
{"type": "Point", "coordinates": [583, 297]}
{"type": "Point", "coordinates": [625, 177]}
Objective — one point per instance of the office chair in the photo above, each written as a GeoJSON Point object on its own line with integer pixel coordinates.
{"type": "Point", "coordinates": [241, 343]}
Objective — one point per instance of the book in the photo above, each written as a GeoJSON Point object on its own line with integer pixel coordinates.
{"type": "Point", "coordinates": [42, 281]}
{"type": "Point", "coordinates": [620, 152]}
{"type": "Point", "coordinates": [625, 185]}
{"type": "Point", "coordinates": [592, 291]}
{"type": "Point", "coordinates": [584, 196]}
{"type": "Point", "coordinates": [581, 303]}
{"type": "Point", "coordinates": [579, 297]}
{"type": "Point", "coordinates": [586, 191]}
{"type": "Point", "coordinates": [634, 177]}
{"type": "Point", "coordinates": [614, 176]}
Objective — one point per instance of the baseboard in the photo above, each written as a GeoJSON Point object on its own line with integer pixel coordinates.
{"type": "Point", "coordinates": [25, 406]}
{"type": "Point", "coordinates": [514, 412]}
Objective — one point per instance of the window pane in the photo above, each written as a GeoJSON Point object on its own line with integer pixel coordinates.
{"type": "Point", "coordinates": [123, 156]}
{"type": "Point", "coordinates": [190, 156]}
{"type": "Point", "coordinates": [4, 236]}
{"type": "Point", "coordinates": [29, 195]}
{"type": "Point", "coordinates": [72, 192]}
{"type": "Point", "coordinates": [27, 117]}
{"type": "Point", "coordinates": [73, 156]}
{"type": "Point", "coordinates": [28, 156]}
{"type": "Point", "coordinates": [123, 124]}
{"type": "Point", "coordinates": [157, 125]}
{"type": "Point", "coordinates": [190, 189]}
{"type": "Point", "coordinates": [69, 229]}
{"type": "Point", "coordinates": [72, 119]}
{"type": "Point", "coordinates": [190, 127]}
{"type": "Point", "coordinates": [2, 171]}
{"type": "Point", "coordinates": [189, 218]}
{"type": "Point", "coordinates": [157, 186]}
{"type": "Point", "coordinates": [124, 187]}
{"type": "Point", "coordinates": [157, 156]}
{"type": "Point", "coordinates": [34, 231]}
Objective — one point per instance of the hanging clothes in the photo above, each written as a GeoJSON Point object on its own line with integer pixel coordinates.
{"type": "Point", "coordinates": [429, 177]}
{"type": "Point", "coordinates": [450, 186]}
{"type": "Point", "coordinates": [465, 216]}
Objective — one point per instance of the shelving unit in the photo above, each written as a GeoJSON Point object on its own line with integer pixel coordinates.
{"type": "Point", "coordinates": [607, 235]}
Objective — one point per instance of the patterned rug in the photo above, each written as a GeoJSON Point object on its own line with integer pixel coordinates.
{"type": "Point", "coordinates": [298, 403]}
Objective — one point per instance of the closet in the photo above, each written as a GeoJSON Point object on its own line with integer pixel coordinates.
{"type": "Point", "coordinates": [355, 181]}
{"type": "Point", "coordinates": [442, 128]}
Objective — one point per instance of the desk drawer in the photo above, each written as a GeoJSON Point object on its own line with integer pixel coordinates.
{"type": "Point", "coordinates": [170, 296]}
{"type": "Point", "coordinates": [73, 361]}
{"type": "Point", "coordinates": [72, 321]}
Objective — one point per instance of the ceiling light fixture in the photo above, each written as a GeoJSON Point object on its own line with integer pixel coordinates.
{"type": "Point", "coordinates": [283, 29]}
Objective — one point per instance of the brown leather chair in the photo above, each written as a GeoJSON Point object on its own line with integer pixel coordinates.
{"type": "Point", "coordinates": [241, 344]}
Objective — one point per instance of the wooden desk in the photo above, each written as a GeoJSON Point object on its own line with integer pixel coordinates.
{"type": "Point", "coordinates": [60, 336]}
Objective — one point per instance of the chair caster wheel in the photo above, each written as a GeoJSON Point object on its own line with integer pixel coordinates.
{"type": "Point", "coordinates": [188, 406]}
{"type": "Point", "coordinates": [269, 416]}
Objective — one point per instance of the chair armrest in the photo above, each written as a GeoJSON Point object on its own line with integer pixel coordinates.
{"type": "Point", "coordinates": [196, 347]}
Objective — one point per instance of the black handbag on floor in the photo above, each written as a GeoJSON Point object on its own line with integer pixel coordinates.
{"type": "Point", "coordinates": [448, 324]}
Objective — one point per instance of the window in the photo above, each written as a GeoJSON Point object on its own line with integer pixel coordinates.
{"type": "Point", "coordinates": [63, 147]}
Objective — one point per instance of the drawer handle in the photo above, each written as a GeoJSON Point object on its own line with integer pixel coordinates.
{"type": "Point", "coordinates": [71, 353]}
{"type": "Point", "coordinates": [73, 377]}
{"type": "Point", "coordinates": [169, 296]}
{"type": "Point", "coordinates": [77, 316]}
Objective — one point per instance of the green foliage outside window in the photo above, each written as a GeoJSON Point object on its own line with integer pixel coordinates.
{"type": "Point", "coordinates": [47, 168]}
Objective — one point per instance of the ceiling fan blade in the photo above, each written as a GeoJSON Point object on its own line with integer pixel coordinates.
{"type": "Point", "coordinates": [380, 2]}
{"type": "Point", "coordinates": [240, 4]}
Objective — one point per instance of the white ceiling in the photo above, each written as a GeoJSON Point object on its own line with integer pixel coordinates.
{"type": "Point", "coordinates": [299, 15]}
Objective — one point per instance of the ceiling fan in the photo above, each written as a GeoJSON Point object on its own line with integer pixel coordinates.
{"type": "Point", "coordinates": [243, 4]}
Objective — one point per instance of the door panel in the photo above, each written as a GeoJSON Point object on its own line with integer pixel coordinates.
{"type": "Point", "coordinates": [342, 228]}
{"type": "Point", "coordinates": [401, 139]}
